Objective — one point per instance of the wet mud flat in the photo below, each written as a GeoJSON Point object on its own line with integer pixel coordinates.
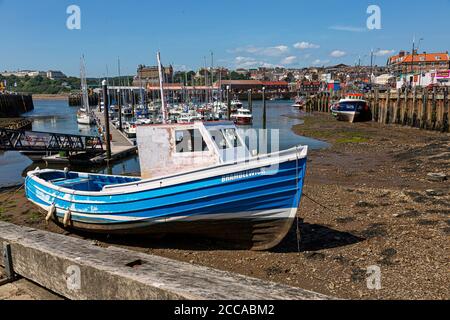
{"type": "Point", "coordinates": [369, 201]}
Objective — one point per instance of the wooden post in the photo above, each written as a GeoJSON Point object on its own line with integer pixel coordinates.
{"type": "Point", "coordinates": [433, 116]}
{"type": "Point", "coordinates": [106, 112]}
{"type": "Point", "coordinates": [404, 108]}
{"type": "Point", "coordinates": [413, 114]}
{"type": "Point", "coordinates": [396, 108]}
{"type": "Point", "coordinates": [250, 100]}
{"type": "Point", "coordinates": [385, 117]}
{"type": "Point", "coordinates": [445, 117]}
{"type": "Point", "coordinates": [423, 111]}
{"type": "Point", "coordinates": [375, 107]}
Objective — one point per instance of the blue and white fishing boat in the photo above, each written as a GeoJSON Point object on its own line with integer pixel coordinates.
{"type": "Point", "coordinates": [198, 178]}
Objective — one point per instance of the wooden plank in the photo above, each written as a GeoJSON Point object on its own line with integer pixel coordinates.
{"type": "Point", "coordinates": [77, 269]}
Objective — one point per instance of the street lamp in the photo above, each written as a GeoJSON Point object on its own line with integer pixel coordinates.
{"type": "Point", "coordinates": [264, 108]}
{"type": "Point", "coordinates": [228, 103]}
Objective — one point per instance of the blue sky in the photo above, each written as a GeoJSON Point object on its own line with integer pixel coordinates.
{"type": "Point", "coordinates": [241, 33]}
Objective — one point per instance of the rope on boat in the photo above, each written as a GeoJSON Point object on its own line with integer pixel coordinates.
{"type": "Point", "coordinates": [296, 216]}
{"type": "Point", "coordinates": [13, 194]}
{"type": "Point", "coordinates": [319, 204]}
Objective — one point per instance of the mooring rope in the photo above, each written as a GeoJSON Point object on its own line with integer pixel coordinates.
{"type": "Point", "coordinates": [296, 215]}
{"type": "Point", "coordinates": [319, 204]}
{"type": "Point", "coordinates": [12, 194]}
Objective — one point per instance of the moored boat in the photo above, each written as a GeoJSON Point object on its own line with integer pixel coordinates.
{"type": "Point", "coordinates": [208, 184]}
{"type": "Point", "coordinates": [242, 117]}
{"type": "Point", "coordinates": [352, 109]}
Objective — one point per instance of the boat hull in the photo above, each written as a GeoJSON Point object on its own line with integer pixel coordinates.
{"type": "Point", "coordinates": [244, 121]}
{"type": "Point", "coordinates": [241, 233]}
{"type": "Point", "coordinates": [252, 209]}
{"type": "Point", "coordinates": [347, 116]}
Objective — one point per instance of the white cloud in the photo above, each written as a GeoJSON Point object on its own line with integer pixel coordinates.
{"type": "Point", "coordinates": [289, 60]}
{"type": "Point", "coordinates": [306, 45]}
{"type": "Point", "coordinates": [337, 54]}
{"type": "Point", "coordinates": [381, 53]}
{"type": "Point", "coordinates": [247, 62]}
{"type": "Point", "coordinates": [319, 62]}
{"type": "Point", "coordinates": [348, 28]}
{"type": "Point", "coordinates": [275, 51]}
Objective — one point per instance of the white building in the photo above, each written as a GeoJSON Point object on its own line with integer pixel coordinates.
{"type": "Point", "coordinates": [382, 79]}
{"type": "Point", "coordinates": [55, 75]}
{"type": "Point", "coordinates": [441, 78]}
{"type": "Point", "coordinates": [23, 73]}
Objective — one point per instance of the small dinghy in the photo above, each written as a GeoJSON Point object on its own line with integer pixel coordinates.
{"type": "Point", "coordinates": [197, 178]}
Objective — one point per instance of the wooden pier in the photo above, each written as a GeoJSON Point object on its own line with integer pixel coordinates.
{"type": "Point", "coordinates": [78, 269]}
{"type": "Point", "coordinates": [424, 109]}
{"type": "Point", "coordinates": [121, 146]}
{"type": "Point", "coordinates": [16, 123]}
{"type": "Point", "coordinates": [13, 105]}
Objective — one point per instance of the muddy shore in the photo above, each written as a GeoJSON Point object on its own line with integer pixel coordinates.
{"type": "Point", "coordinates": [50, 96]}
{"type": "Point", "coordinates": [367, 201]}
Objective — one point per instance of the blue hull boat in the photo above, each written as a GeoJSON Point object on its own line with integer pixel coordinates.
{"type": "Point", "coordinates": [252, 202]}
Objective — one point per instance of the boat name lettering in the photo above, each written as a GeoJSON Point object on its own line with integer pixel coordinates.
{"type": "Point", "coordinates": [243, 175]}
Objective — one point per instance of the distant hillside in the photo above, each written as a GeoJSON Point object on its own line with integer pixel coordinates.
{"type": "Point", "coordinates": [43, 85]}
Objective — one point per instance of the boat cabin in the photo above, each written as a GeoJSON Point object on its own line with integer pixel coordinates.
{"type": "Point", "coordinates": [175, 148]}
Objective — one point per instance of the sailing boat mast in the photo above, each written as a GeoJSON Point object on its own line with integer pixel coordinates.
{"type": "Point", "coordinates": [84, 88]}
{"type": "Point", "coordinates": [161, 87]}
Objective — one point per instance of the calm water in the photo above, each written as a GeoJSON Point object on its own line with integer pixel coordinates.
{"type": "Point", "coordinates": [57, 116]}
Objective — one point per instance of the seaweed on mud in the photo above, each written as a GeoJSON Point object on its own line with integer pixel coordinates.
{"type": "Point", "coordinates": [388, 255]}
{"type": "Point", "coordinates": [425, 222]}
{"type": "Point", "coordinates": [274, 270]}
{"type": "Point", "coordinates": [358, 275]}
{"type": "Point", "coordinates": [314, 256]}
{"type": "Point", "coordinates": [375, 230]}
{"type": "Point", "coordinates": [410, 214]}
{"type": "Point", "coordinates": [345, 220]}
{"type": "Point", "coordinates": [444, 212]}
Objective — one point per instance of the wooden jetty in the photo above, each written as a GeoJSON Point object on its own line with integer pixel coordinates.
{"type": "Point", "coordinates": [422, 109]}
{"type": "Point", "coordinates": [16, 123]}
{"type": "Point", "coordinates": [121, 146]}
{"type": "Point", "coordinates": [13, 105]}
{"type": "Point", "coordinates": [79, 269]}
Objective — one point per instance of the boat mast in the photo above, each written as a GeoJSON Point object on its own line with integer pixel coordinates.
{"type": "Point", "coordinates": [161, 87]}
{"type": "Point", "coordinates": [84, 91]}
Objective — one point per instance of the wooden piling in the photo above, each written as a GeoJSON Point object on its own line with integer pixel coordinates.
{"type": "Point", "coordinates": [13, 105]}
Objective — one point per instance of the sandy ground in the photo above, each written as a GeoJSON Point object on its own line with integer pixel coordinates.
{"type": "Point", "coordinates": [367, 202]}
{"type": "Point", "coordinates": [23, 289]}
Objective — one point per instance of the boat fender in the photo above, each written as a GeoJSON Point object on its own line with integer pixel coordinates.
{"type": "Point", "coordinates": [51, 213]}
{"type": "Point", "coordinates": [66, 172]}
{"type": "Point", "coordinates": [67, 218]}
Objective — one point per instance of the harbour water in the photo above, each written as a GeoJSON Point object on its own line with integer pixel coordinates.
{"type": "Point", "coordinates": [57, 116]}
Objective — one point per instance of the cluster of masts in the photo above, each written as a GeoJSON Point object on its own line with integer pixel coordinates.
{"type": "Point", "coordinates": [126, 115]}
